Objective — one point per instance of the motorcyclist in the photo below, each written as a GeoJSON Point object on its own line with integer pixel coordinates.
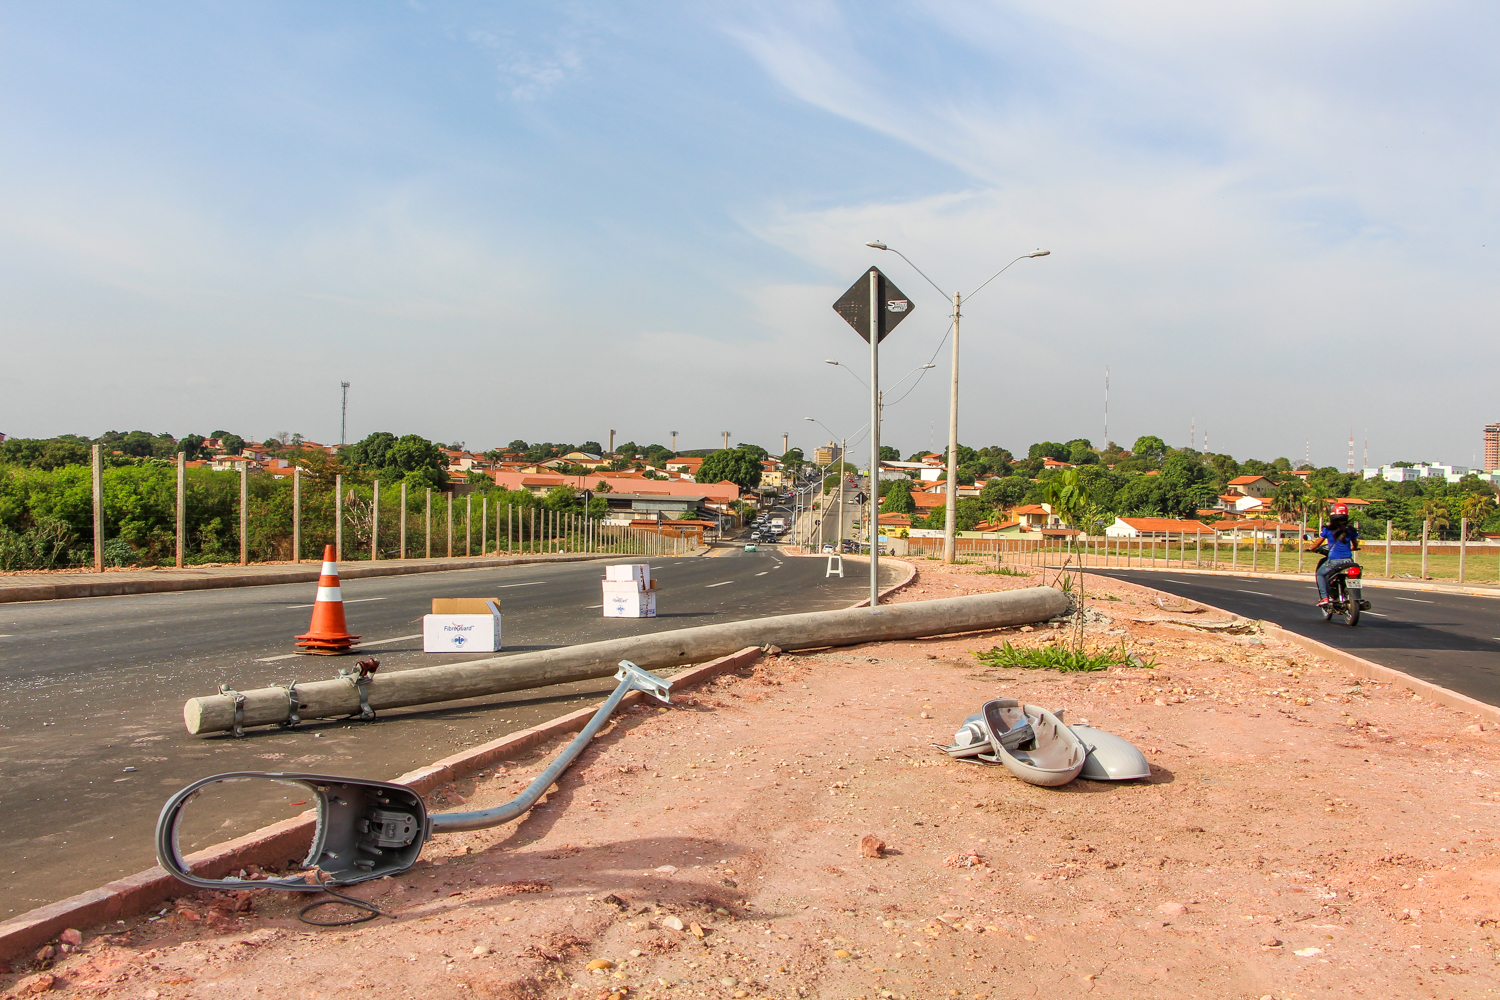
{"type": "Point", "coordinates": [1342, 539]}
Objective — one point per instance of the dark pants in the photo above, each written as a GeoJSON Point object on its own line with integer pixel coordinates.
{"type": "Point", "coordinates": [1326, 571]}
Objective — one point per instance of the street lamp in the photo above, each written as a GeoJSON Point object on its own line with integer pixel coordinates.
{"type": "Point", "coordinates": [950, 543]}
{"type": "Point", "coordinates": [822, 478]}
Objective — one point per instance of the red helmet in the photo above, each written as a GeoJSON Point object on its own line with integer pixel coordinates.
{"type": "Point", "coordinates": [1339, 510]}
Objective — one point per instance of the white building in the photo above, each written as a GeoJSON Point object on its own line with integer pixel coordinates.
{"type": "Point", "coordinates": [1411, 473]}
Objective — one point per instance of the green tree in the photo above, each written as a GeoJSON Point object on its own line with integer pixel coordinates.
{"type": "Point", "coordinates": [1003, 494]}
{"type": "Point", "coordinates": [1149, 448]}
{"type": "Point", "coordinates": [191, 445]}
{"type": "Point", "coordinates": [232, 444]}
{"type": "Point", "coordinates": [1049, 449]}
{"type": "Point", "coordinates": [371, 451]}
{"type": "Point", "coordinates": [889, 454]}
{"type": "Point", "coordinates": [898, 498]}
{"type": "Point", "coordinates": [737, 466]}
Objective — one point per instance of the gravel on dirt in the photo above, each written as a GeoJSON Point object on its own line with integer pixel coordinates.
{"type": "Point", "coordinates": [1303, 834]}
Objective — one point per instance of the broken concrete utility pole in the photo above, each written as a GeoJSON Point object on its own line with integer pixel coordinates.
{"type": "Point", "coordinates": [343, 696]}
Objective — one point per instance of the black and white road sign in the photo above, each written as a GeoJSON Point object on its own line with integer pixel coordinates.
{"type": "Point", "coordinates": [854, 305]}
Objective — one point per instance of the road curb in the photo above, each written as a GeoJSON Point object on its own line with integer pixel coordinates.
{"type": "Point", "coordinates": [142, 891]}
{"type": "Point", "coordinates": [1362, 667]}
{"type": "Point", "coordinates": [172, 584]}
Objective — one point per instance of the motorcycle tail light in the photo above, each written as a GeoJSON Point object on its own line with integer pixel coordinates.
{"type": "Point", "coordinates": [1353, 571]}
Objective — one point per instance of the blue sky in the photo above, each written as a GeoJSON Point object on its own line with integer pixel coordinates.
{"type": "Point", "coordinates": [546, 220]}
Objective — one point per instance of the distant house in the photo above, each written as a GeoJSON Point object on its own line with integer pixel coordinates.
{"type": "Point", "coordinates": [1252, 486]}
{"type": "Point", "coordinates": [1155, 527]}
{"type": "Point", "coordinates": [1035, 517]}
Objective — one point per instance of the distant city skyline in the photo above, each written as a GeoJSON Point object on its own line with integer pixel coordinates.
{"type": "Point", "coordinates": [545, 219]}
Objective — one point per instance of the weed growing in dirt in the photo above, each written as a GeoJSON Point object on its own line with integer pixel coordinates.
{"type": "Point", "coordinates": [1003, 571]}
{"type": "Point", "coordinates": [1060, 659]}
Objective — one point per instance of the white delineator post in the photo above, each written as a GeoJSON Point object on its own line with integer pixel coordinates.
{"type": "Point", "coordinates": [874, 519]}
{"type": "Point", "coordinates": [296, 513]}
{"type": "Point", "coordinates": [950, 517]}
{"type": "Point", "coordinates": [181, 505]}
{"type": "Point", "coordinates": [245, 513]}
{"type": "Point", "coordinates": [96, 463]}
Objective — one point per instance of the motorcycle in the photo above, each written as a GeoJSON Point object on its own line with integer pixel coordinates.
{"type": "Point", "coordinates": [1345, 591]}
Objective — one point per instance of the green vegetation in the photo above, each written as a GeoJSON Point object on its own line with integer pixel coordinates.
{"type": "Point", "coordinates": [740, 465]}
{"type": "Point", "coordinates": [1049, 658]}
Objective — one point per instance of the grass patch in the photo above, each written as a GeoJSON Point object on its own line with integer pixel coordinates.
{"type": "Point", "coordinates": [1061, 659]}
{"type": "Point", "coordinates": [1002, 571]}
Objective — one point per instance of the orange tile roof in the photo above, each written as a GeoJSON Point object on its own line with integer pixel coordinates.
{"type": "Point", "coordinates": [1245, 480]}
{"type": "Point", "coordinates": [1154, 524]}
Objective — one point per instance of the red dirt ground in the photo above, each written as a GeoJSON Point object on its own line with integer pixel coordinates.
{"type": "Point", "coordinates": [1302, 835]}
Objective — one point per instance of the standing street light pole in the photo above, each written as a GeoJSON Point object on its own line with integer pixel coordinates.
{"type": "Point", "coordinates": [950, 543]}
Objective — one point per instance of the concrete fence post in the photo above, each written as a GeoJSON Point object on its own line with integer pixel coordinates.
{"type": "Point", "coordinates": [427, 530]}
{"type": "Point", "coordinates": [508, 511]}
{"type": "Point", "coordinates": [375, 521]}
{"type": "Point", "coordinates": [403, 520]}
{"type": "Point", "coordinates": [338, 518]}
{"type": "Point", "coordinates": [484, 525]}
{"type": "Point", "coordinates": [245, 513]}
{"type": "Point", "coordinates": [1301, 531]}
{"type": "Point", "coordinates": [296, 513]}
{"type": "Point", "coordinates": [1387, 548]}
{"type": "Point", "coordinates": [450, 524]}
{"type": "Point", "coordinates": [1278, 543]}
{"type": "Point", "coordinates": [1426, 525]}
{"type": "Point", "coordinates": [181, 505]}
{"type": "Point", "coordinates": [468, 524]}
{"type": "Point", "coordinates": [96, 464]}
{"type": "Point", "coordinates": [1463, 545]}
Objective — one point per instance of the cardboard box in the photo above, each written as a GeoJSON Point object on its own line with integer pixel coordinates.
{"type": "Point", "coordinates": [465, 605]}
{"type": "Point", "coordinates": [461, 633]}
{"type": "Point", "coordinates": [629, 603]}
{"type": "Point", "coordinates": [624, 572]}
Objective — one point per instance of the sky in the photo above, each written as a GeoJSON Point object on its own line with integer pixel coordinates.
{"type": "Point", "coordinates": [1269, 221]}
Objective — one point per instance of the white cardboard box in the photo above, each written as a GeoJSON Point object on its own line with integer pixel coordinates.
{"type": "Point", "coordinates": [628, 601]}
{"type": "Point", "coordinates": [460, 633]}
{"type": "Point", "coordinates": [626, 572]}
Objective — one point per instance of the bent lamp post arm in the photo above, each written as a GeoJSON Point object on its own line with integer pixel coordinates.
{"type": "Point", "coordinates": [364, 830]}
{"type": "Point", "coordinates": [631, 678]}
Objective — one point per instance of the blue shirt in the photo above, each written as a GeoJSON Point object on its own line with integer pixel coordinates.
{"type": "Point", "coordinates": [1337, 549]}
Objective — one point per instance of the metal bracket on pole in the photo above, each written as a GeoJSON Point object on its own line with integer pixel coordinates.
{"type": "Point", "coordinates": [239, 707]}
{"type": "Point", "coordinates": [293, 703]}
{"type": "Point", "coordinates": [361, 678]}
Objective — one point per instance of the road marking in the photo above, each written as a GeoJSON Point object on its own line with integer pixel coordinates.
{"type": "Point", "coordinates": [1259, 592]}
{"type": "Point", "coordinates": [357, 648]}
{"type": "Point", "coordinates": [711, 586]}
{"type": "Point", "coordinates": [1183, 582]}
{"type": "Point", "coordinates": [591, 607]}
{"type": "Point", "coordinates": [357, 600]}
{"type": "Point", "coordinates": [1377, 614]}
{"type": "Point", "coordinates": [761, 573]}
{"type": "Point", "coordinates": [533, 583]}
{"type": "Point", "coordinates": [1415, 600]}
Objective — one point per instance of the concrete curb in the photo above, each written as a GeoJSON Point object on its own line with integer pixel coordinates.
{"type": "Point", "coordinates": [1465, 589]}
{"type": "Point", "coordinates": [177, 581]}
{"type": "Point", "coordinates": [140, 892]}
{"type": "Point", "coordinates": [1362, 667]}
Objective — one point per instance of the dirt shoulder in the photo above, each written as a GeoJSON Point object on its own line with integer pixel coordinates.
{"type": "Point", "coordinates": [1302, 835]}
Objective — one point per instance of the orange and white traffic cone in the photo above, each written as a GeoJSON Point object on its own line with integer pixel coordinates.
{"type": "Point", "coordinates": [328, 634]}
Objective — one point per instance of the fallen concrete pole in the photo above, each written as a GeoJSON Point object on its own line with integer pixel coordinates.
{"type": "Point", "coordinates": [476, 678]}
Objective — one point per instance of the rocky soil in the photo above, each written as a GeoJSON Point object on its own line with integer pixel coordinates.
{"type": "Point", "coordinates": [789, 832]}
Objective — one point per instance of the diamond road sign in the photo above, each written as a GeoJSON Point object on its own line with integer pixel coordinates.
{"type": "Point", "coordinates": [854, 305]}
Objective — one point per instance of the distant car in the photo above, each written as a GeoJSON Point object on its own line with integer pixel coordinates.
{"type": "Point", "coordinates": [750, 547]}
{"type": "Point", "coordinates": [828, 547]}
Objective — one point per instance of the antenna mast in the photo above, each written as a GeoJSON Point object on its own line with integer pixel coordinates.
{"type": "Point", "coordinates": [344, 416]}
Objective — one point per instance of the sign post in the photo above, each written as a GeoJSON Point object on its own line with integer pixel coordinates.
{"type": "Point", "coordinates": [874, 306]}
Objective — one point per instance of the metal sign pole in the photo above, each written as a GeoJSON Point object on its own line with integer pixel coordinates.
{"type": "Point", "coordinates": [874, 438]}
{"type": "Point", "coordinates": [950, 514]}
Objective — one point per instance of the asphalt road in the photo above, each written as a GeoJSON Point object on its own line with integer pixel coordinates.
{"type": "Point", "coordinates": [1448, 639]}
{"type": "Point", "coordinates": [89, 688]}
